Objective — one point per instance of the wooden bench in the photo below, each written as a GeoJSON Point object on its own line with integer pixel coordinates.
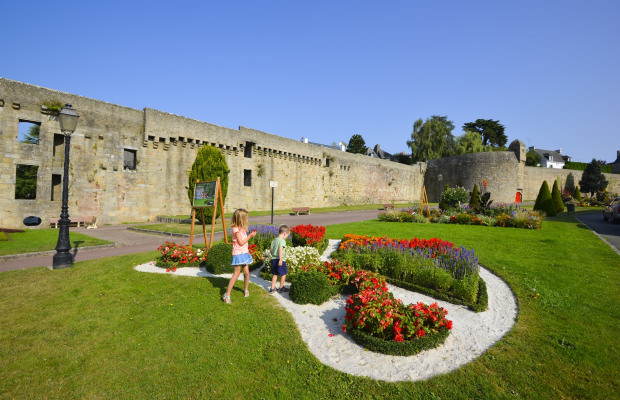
{"type": "Point", "coordinates": [387, 206]}
{"type": "Point", "coordinates": [75, 221]}
{"type": "Point", "coordinates": [298, 210]}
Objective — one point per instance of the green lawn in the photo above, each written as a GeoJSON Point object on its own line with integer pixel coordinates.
{"type": "Point", "coordinates": [33, 240]}
{"type": "Point", "coordinates": [103, 330]}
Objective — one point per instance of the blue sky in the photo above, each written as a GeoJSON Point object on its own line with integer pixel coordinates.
{"type": "Point", "coordinates": [548, 70]}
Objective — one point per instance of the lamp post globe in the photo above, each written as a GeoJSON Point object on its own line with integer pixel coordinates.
{"type": "Point", "coordinates": [67, 118]}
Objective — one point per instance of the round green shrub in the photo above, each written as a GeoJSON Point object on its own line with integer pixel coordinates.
{"type": "Point", "coordinates": [219, 258]}
{"type": "Point", "coordinates": [310, 287]}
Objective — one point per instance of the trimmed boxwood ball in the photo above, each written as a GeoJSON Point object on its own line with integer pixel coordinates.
{"type": "Point", "coordinates": [310, 287]}
{"type": "Point", "coordinates": [219, 258]}
{"type": "Point", "coordinates": [393, 348]}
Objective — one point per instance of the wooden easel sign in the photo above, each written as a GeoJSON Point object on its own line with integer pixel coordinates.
{"type": "Point", "coordinates": [207, 194]}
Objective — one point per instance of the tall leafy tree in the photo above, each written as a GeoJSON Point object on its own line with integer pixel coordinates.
{"type": "Point", "coordinates": [210, 164]}
{"type": "Point", "coordinates": [32, 136]}
{"type": "Point", "coordinates": [492, 132]}
{"type": "Point", "coordinates": [593, 180]}
{"type": "Point", "coordinates": [469, 142]}
{"type": "Point", "coordinates": [532, 158]}
{"type": "Point", "coordinates": [357, 145]}
{"type": "Point", "coordinates": [431, 139]}
{"type": "Point", "coordinates": [26, 181]}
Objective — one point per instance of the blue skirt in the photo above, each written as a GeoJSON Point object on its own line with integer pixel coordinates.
{"type": "Point", "coordinates": [242, 259]}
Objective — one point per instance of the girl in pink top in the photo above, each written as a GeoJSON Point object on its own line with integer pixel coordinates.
{"type": "Point", "coordinates": [240, 255]}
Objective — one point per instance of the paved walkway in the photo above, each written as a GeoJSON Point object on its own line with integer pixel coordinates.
{"type": "Point", "coordinates": [128, 242]}
{"type": "Point", "coordinates": [604, 229]}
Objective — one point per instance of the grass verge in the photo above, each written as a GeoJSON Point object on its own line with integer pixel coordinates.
{"type": "Point", "coordinates": [34, 240]}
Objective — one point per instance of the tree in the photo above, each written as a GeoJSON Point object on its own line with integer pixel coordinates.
{"type": "Point", "coordinates": [474, 201]}
{"type": "Point", "coordinates": [469, 142]}
{"type": "Point", "coordinates": [544, 202]}
{"type": "Point", "coordinates": [569, 186]}
{"type": "Point", "coordinates": [26, 181]}
{"type": "Point", "coordinates": [577, 195]}
{"type": "Point", "coordinates": [431, 139]}
{"type": "Point", "coordinates": [557, 197]}
{"type": "Point", "coordinates": [210, 164]}
{"type": "Point", "coordinates": [593, 179]}
{"type": "Point", "coordinates": [532, 158]}
{"type": "Point", "coordinates": [32, 136]}
{"type": "Point", "coordinates": [357, 145]}
{"type": "Point", "coordinates": [492, 132]}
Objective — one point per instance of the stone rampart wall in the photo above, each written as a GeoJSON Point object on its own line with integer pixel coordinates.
{"type": "Point", "coordinates": [534, 176]}
{"type": "Point", "coordinates": [166, 146]}
{"type": "Point", "coordinates": [499, 169]}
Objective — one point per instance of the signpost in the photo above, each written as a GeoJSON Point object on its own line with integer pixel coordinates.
{"type": "Point", "coordinates": [208, 194]}
{"type": "Point", "coordinates": [272, 185]}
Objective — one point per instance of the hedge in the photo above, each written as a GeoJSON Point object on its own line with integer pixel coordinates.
{"type": "Point", "coordinates": [404, 348]}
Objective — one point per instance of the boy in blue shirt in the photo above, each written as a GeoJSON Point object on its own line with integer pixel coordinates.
{"type": "Point", "coordinates": [278, 265]}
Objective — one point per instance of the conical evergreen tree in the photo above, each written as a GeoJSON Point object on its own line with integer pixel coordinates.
{"type": "Point", "coordinates": [577, 194]}
{"type": "Point", "coordinates": [544, 201]}
{"type": "Point", "coordinates": [210, 164]}
{"type": "Point", "coordinates": [474, 201]}
{"type": "Point", "coordinates": [557, 197]}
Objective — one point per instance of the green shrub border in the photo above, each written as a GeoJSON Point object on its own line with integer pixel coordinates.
{"type": "Point", "coordinates": [480, 305]}
{"type": "Point", "coordinates": [404, 348]}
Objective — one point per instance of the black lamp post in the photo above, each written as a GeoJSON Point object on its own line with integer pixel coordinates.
{"type": "Point", "coordinates": [63, 259]}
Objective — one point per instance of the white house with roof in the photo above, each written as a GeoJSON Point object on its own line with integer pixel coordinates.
{"type": "Point", "coordinates": [551, 158]}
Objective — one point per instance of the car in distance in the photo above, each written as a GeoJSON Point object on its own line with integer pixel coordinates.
{"type": "Point", "coordinates": [612, 211]}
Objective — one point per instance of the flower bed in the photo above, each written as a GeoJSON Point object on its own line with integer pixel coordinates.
{"type": "Point", "coordinates": [309, 235]}
{"type": "Point", "coordinates": [378, 322]}
{"type": "Point", "coordinates": [175, 255]}
{"type": "Point", "coordinates": [500, 216]}
{"type": "Point", "coordinates": [444, 270]}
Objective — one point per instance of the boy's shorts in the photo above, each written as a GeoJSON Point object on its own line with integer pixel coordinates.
{"type": "Point", "coordinates": [278, 269]}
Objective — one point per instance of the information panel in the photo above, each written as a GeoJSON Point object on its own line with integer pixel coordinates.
{"type": "Point", "coordinates": [204, 194]}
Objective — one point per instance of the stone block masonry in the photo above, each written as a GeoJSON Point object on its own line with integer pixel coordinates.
{"type": "Point", "coordinates": [164, 146]}
{"type": "Point", "coordinates": [131, 165]}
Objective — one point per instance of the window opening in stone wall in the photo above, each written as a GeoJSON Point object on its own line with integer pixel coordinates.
{"type": "Point", "coordinates": [129, 159]}
{"type": "Point", "coordinates": [26, 181]}
{"type": "Point", "coordinates": [327, 162]}
{"type": "Point", "coordinates": [247, 151]}
{"type": "Point", "coordinates": [28, 132]}
{"type": "Point", "coordinates": [59, 141]}
{"type": "Point", "coordinates": [56, 186]}
{"type": "Point", "coordinates": [247, 177]}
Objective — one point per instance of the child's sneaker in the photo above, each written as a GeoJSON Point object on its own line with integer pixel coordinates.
{"type": "Point", "coordinates": [283, 289]}
{"type": "Point", "coordinates": [272, 291]}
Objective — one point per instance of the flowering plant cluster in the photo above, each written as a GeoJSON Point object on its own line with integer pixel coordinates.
{"type": "Point", "coordinates": [308, 235]}
{"type": "Point", "coordinates": [501, 216]}
{"type": "Point", "coordinates": [375, 311]}
{"type": "Point", "coordinates": [255, 252]}
{"type": "Point", "coordinates": [434, 264]}
{"type": "Point", "coordinates": [297, 257]}
{"type": "Point", "coordinates": [173, 254]}
{"type": "Point", "coordinates": [337, 274]}
{"type": "Point", "coordinates": [351, 241]}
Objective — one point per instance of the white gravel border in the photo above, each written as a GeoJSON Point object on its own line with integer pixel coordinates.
{"type": "Point", "coordinates": [472, 332]}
